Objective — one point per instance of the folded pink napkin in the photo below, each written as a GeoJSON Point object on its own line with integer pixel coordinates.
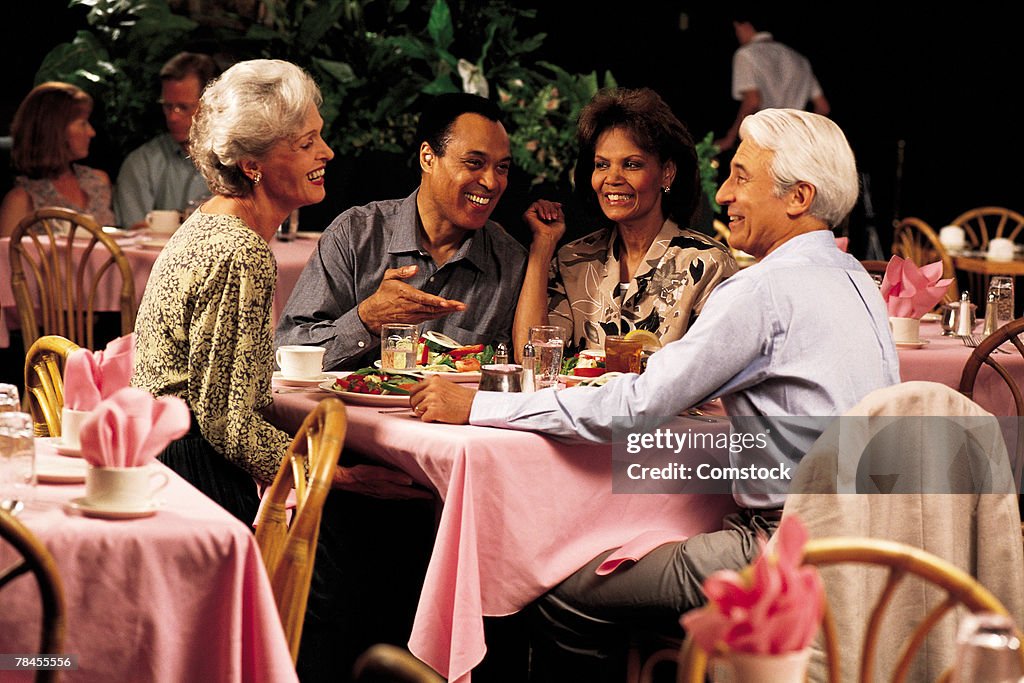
{"type": "Point", "coordinates": [91, 376]}
{"type": "Point", "coordinates": [843, 243]}
{"type": "Point", "coordinates": [910, 291]}
{"type": "Point", "coordinates": [132, 427]}
{"type": "Point", "coordinates": [636, 549]}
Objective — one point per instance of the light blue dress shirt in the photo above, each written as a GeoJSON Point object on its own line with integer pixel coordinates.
{"type": "Point", "coordinates": [803, 333]}
{"type": "Point", "coordinates": [156, 175]}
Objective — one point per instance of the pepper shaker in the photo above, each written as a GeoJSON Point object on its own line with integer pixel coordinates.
{"type": "Point", "coordinates": [991, 315]}
{"type": "Point", "coordinates": [501, 354]}
{"type": "Point", "coordinates": [529, 367]}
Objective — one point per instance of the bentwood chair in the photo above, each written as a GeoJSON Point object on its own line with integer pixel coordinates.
{"type": "Point", "coordinates": [384, 663]}
{"type": "Point", "coordinates": [288, 538]}
{"type": "Point", "coordinates": [916, 241]}
{"type": "Point", "coordinates": [985, 223]}
{"type": "Point", "coordinates": [32, 557]}
{"type": "Point", "coordinates": [44, 382]}
{"type": "Point", "coordinates": [902, 568]}
{"type": "Point", "coordinates": [60, 261]}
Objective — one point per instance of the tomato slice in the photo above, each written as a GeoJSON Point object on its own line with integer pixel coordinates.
{"type": "Point", "coordinates": [463, 351]}
{"type": "Point", "coordinates": [588, 372]}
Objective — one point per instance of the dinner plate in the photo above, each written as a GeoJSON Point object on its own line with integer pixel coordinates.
{"type": "Point", "coordinates": [931, 317]}
{"type": "Point", "coordinates": [366, 399]}
{"type": "Point", "coordinates": [153, 242]}
{"type": "Point", "coordinates": [83, 506]}
{"type": "Point", "coordinates": [912, 344]}
{"type": "Point", "coordinates": [301, 381]}
{"type": "Point", "coordinates": [52, 469]}
{"type": "Point", "coordinates": [58, 445]}
{"type": "Point", "coordinates": [473, 376]}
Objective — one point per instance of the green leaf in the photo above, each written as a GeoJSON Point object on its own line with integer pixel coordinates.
{"type": "Point", "coordinates": [440, 85]}
{"type": "Point", "coordinates": [318, 22]}
{"type": "Point", "coordinates": [439, 26]}
{"type": "Point", "coordinates": [340, 71]}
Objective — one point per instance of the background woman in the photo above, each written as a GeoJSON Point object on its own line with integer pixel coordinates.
{"type": "Point", "coordinates": [51, 131]}
{"type": "Point", "coordinates": [637, 173]}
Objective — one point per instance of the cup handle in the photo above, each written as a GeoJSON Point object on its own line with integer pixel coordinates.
{"type": "Point", "coordinates": [149, 219]}
{"type": "Point", "coordinates": [277, 357]}
{"type": "Point", "coordinates": [161, 475]}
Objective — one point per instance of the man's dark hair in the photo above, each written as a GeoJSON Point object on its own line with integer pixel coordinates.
{"type": "Point", "coordinates": [435, 124]}
{"type": "Point", "coordinates": [186, 64]}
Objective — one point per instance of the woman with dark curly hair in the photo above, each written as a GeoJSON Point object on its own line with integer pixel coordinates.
{"type": "Point", "coordinates": [643, 269]}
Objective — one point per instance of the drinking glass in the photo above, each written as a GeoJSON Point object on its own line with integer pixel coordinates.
{"type": "Point", "coordinates": [548, 342]}
{"type": "Point", "coordinates": [398, 342]}
{"type": "Point", "coordinates": [17, 461]}
{"type": "Point", "coordinates": [987, 650]}
{"type": "Point", "coordinates": [10, 402]}
{"type": "Point", "coordinates": [1002, 287]}
{"type": "Point", "coordinates": [287, 230]}
{"type": "Point", "coordinates": [621, 354]}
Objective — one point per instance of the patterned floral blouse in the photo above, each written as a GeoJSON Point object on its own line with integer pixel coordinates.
{"type": "Point", "coordinates": [204, 334]}
{"type": "Point", "coordinates": [682, 267]}
{"type": "Point", "coordinates": [42, 193]}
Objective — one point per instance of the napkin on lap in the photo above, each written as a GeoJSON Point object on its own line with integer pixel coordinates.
{"type": "Point", "coordinates": [132, 427]}
{"type": "Point", "coordinates": [90, 377]}
{"type": "Point", "coordinates": [910, 291]}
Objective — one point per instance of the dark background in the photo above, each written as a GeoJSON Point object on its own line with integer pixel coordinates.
{"type": "Point", "coordinates": [943, 84]}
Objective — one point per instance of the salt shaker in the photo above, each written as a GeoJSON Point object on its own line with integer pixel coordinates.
{"type": "Point", "coordinates": [529, 367]}
{"type": "Point", "coordinates": [963, 320]}
{"type": "Point", "coordinates": [501, 354]}
{"type": "Point", "coordinates": [991, 315]}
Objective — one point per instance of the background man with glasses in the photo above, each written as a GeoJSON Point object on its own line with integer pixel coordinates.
{"type": "Point", "coordinates": [159, 174]}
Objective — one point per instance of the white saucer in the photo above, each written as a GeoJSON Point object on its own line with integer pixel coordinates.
{"type": "Point", "coordinates": [63, 449]}
{"type": "Point", "coordinates": [83, 506]}
{"type": "Point", "coordinates": [912, 344]}
{"type": "Point", "coordinates": [300, 381]}
{"type": "Point", "coordinates": [931, 318]}
{"type": "Point", "coordinates": [52, 469]}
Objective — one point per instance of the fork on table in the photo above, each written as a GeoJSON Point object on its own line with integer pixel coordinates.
{"type": "Point", "coordinates": [972, 341]}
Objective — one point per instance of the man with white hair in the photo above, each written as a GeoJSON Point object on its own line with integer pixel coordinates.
{"type": "Point", "coordinates": [802, 333]}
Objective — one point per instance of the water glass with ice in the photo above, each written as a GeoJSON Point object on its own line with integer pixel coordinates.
{"type": "Point", "coordinates": [398, 345]}
{"type": "Point", "coordinates": [548, 342]}
{"type": "Point", "coordinates": [17, 461]}
{"type": "Point", "coordinates": [10, 401]}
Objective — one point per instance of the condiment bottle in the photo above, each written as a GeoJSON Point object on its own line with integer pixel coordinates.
{"type": "Point", "coordinates": [991, 315]}
{"type": "Point", "coordinates": [501, 354]}
{"type": "Point", "coordinates": [529, 367]}
{"type": "Point", "coordinates": [963, 319]}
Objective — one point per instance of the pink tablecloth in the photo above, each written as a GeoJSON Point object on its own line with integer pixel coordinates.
{"type": "Point", "coordinates": [942, 360]}
{"type": "Point", "coordinates": [291, 259]}
{"type": "Point", "coordinates": [521, 512]}
{"type": "Point", "coordinates": [179, 596]}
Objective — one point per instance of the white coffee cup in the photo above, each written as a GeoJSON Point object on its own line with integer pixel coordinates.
{"type": "Point", "coordinates": [1000, 249]}
{"type": "Point", "coordinates": [906, 330]}
{"type": "Point", "coordinates": [123, 487]}
{"type": "Point", "coordinates": [300, 362]}
{"type": "Point", "coordinates": [953, 237]}
{"type": "Point", "coordinates": [163, 220]}
{"type": "Point", "coordinates": [71, 425]}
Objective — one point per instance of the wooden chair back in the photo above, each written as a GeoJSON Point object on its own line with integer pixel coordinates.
{"type": "Point", "coordinates": [288, 542]}
{"type": "Point", "coordinates": [44, 382]}
{"type": "Point", "coordinates": [32, 557]}
{"type": "Point", "coordinates": [985, 223]}
{"type": "Point", "coordinates": [916, 241]}
{"type": "Point", "coordinates": [59, 259]}
{"type": "Point", "coordinates": [900, 561]}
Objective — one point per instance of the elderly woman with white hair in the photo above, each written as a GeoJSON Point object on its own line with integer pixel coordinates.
{"type": "Point", "coordinates": [204, 330]}
{"type": "Point", "coordinates": [802, 334]}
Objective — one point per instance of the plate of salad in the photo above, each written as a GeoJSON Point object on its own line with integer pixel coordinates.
{"type": "Point", "coordinates": [371, 387]}
{"type": "Point", "coordinates": [439, 354]}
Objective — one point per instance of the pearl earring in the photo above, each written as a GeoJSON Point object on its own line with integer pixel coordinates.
{"type": "Point", "coordinates": [666, 189]}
